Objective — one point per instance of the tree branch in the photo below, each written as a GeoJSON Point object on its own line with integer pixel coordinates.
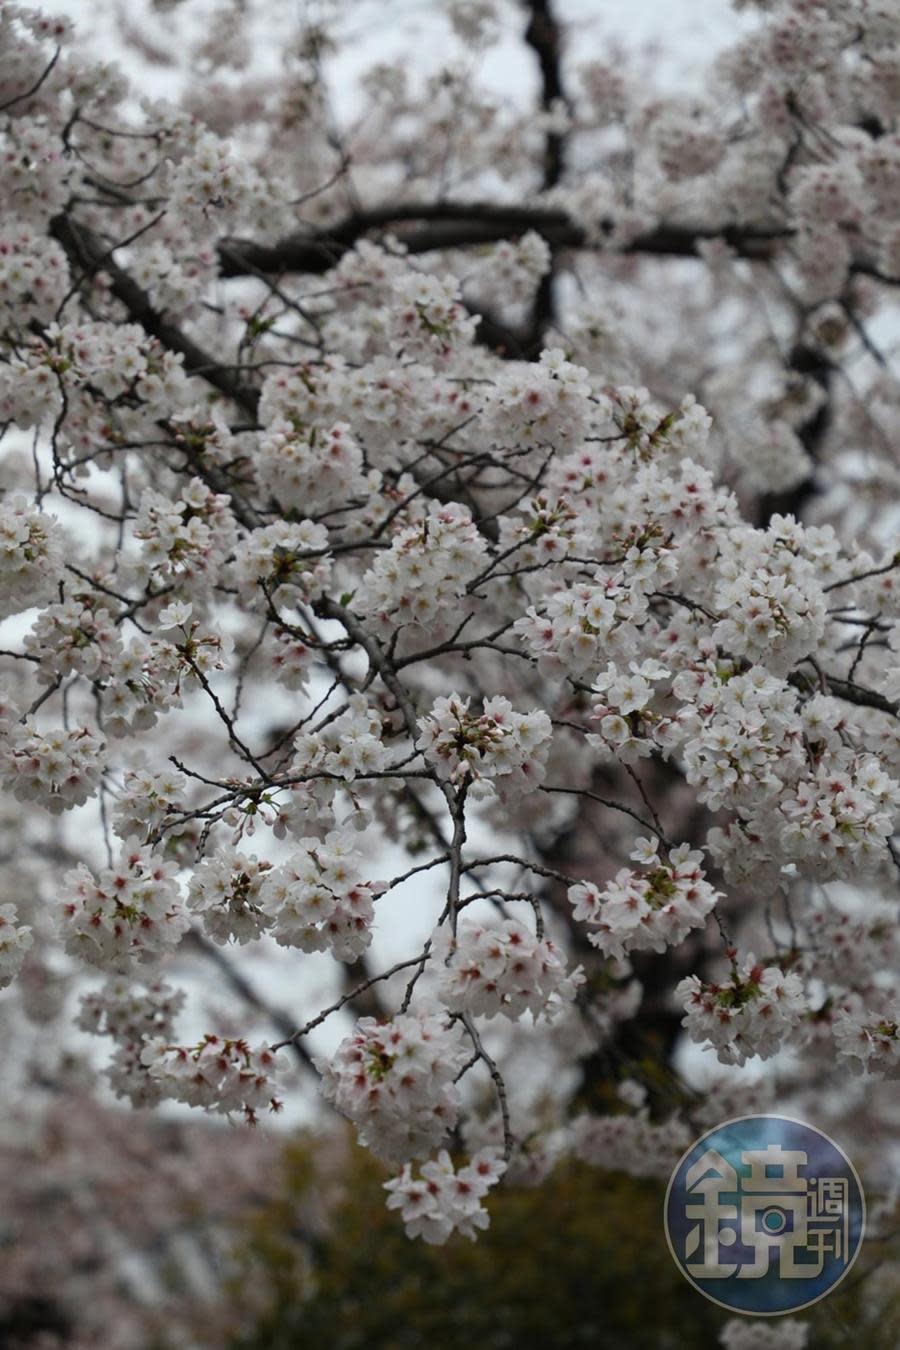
{"type": "Point", "coordinates": [441, 225]}
{"type": "Point", "coordinates": [89, 255]}
{"type": "Point", "coordinates": [544, 37]}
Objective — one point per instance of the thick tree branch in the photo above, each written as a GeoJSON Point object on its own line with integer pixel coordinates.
{"type": "Point", "coordinates": [441, 225]}
{"type": "Point", "coordinates": [89, 255]}
{"type": "Point", "coordinates": [544, 37]}
{"type": "Point", "coordinates": [852, 693]}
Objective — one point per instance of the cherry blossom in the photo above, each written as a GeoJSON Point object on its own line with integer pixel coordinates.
{"type": "Point", "coordinates": [225, 891]}
{"type": "Point", "coordinates": [503, 969]}
{"type": "Point", "coordinates": [755, 1012]}
{"type": "Point", "coordinates": [131, 1016]}
{"type": "Point", "coordinates": [496, 744]}
{"type": "Point", "coordinates": [31, 553]}
{"type": "Point", "coordinates": [785, 1334]}
{"type": "Point", "coordinates": [131, 913]}
{"type": "Point", "coordinates": [629, 1143]}
{"type": "Point", "coordinates": [15, 941]}
{"type": "Point", "coordinates": [654, 908]}
{"type": "Point", "coordinates": [221, 1075]}
{"type": "Point", "coordinates": [316, 900]}
{"type": "Point", "coordinates": [869, 1042]}
{"type": "Point", "coordinates": [59, 769]}
{"type": "Point", "coordinates": [443, 1200]}
{"type": "Point", "coordinates": [396, 1082]}
{"type": "Point", "coordinates": [425, 573]}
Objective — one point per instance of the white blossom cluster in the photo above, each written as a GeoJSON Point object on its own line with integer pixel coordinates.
{"type": "Point", "coordinates": [742, 736]}
{"type": "Point", "coordinates": [498, 744]}
{"type": "Point", "coordinates": [629, 1143]}
{"type": "Point", "coordinates": [686, 139]}
{"type": "Point", "coordinates": [282, 564]}
{"type": "Point", "coordinates": [544, 531]}
{"type": "Point", "coordinates": [291, 658]}
{"type": "Point", "coordinates": [29, 387]}
{"type": "Point", "coordinates": [541, 404]}
{"type": "Point", "coordinates": [800, 791]}
{"type": "Point", "coordinates": [31, 556]}
{"type": "Point", "coordinates": [868, 1042]}
{"type": "Point", "coordinates": [184, 540]}
{"type": "Point", "coordinates": [128, 1011]}
{"type": "Point", "coordinates": [771, 456]}
{"type": "Point", "coordinates": [342, 753]}
{"type": "Point", "coordinates": [310, 470]}
{"type": "Point", "coordinates": [628, 726]}
{"type": "Point", "coordinates": [423, 576]}
{"type": "Point", "coordinates": [40, 143]}
{"type": "Point", "coordinates": [145, 681]}
{"type": "Point", "coordinates": [839, 821]}
{"type": "Point", "coordinates": [475, 21]}
{"type": "Point", "coordinates": [889, 682]}
{"type": "Point", "coordinates": [214, 183]}
{"type": "Point", "coordinates": [171, 283]}
{"type": "Point", "coordinates": [98, 361]}
{"type": "Point", "coordinates": [426, 317]}
{"type": "Point", "coordinates": [221, 1075]}
{"type": "Point", "coordinates": [33, 268]}
{"type": "Point", "coordinates": [57, 769]}
{"type": "Point", "coordinates": [15, 942]}
{"type": "Point", "coordinates": [652, 432]}
{"type": "Point", "coordinates": [224, 891]}
{"type": "Point", "coordinates": [396, 1082]}
{"type": "Point", "coordinates": [773, 603]}
{"type": "Point", "coordinates": [535, 1150]}
{"type": "Point", "coordinates": [512, 269]}
{"type": "Point", "coordinates": [650, 909]}
{"type": "Point", "coordinates": [131, 1015]}
{"type": "Point", "coordinates": [373, 266]}
{"type": "Point", "coordinates": [130, 913]}
{"type": "Point", "coordinates": [826, 194]}
{"type": "Point", "coordinates": [316, 900]}
{"type": "Point", "coordinates": [850, 827]}
{"type": "Point", "coordinates": [850, 949]}
{"type": "Point", "coordinates": [576, 629]}
{"type": "Point", "coordinates": [754, 1013]}
{"type": "Point", "coordinates": [787, 1333]}
{"type": "Point", "coordinates": [443, 1200]}
{"type": "Point", "coordinates": [495, 969]}
{"type": "Point", "coordinates": [148, 679]}
{"type": "Point", "coordinates": [147, 799]}
{"type": "Point", "coordinates": [77, 636]}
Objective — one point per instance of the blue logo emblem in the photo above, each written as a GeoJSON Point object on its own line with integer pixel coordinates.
{"type": "Point", "coordinates": [765, 1215]}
